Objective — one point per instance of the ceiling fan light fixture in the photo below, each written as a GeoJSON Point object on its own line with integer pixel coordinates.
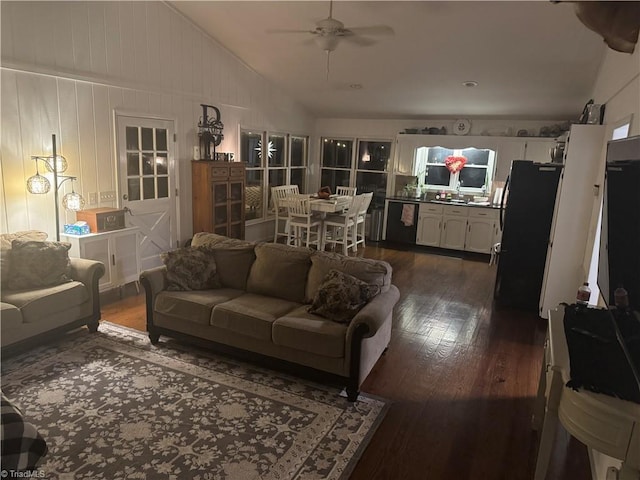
{"type": "Point", "coordinates": [328, 43]}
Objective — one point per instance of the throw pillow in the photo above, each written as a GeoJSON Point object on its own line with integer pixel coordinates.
{"type": "Point", "coordinates": [341, 296]}
{"type": "Point", "coordinates": [5, 249]}
{"type": "Point", "coordinates": [190, 268]}
{"type": "Point", "coordinates": [36, 264]}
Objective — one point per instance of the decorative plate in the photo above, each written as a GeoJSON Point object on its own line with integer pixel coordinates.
{"type": "Point", "coordinates": [461, 126]}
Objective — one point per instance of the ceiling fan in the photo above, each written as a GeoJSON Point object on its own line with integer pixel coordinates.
{"type": "Point", "coordinates": [329, 32]}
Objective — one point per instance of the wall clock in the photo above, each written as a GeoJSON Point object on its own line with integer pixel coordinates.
{"type": "Point", "coordinates": [461, 126]}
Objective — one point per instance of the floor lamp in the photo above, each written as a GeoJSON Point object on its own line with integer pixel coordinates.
{"type": "Point", "coordinates": [40, 184]}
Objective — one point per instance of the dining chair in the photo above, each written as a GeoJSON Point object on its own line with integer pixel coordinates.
{"type": "Point", "coordinates": [339, 229]}
{"type": "Point", "coordinates": [304, 226]}
{"type": "Point", "coordinates": [350, 191]}
{"type": "Point", "coordinates": [278, 194]}
{"type": "Point", "coordinates": [361, 217]}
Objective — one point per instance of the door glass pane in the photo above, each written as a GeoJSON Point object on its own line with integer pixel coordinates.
{"type": "Point", "coordinates": [132, 138]}
{"type": "Point", "coordinates": [133, 189]}
{"type": "Point", "coordinates": [133, 164]}
{"type": "Point", "coordinates": [147, 138]}
{"type": "Point", "coordinates": [148, 162]}
{"type": "Point", "coordinates": [236, 191]}
{"type": "Point", "coordinates": [220, 193]}
{"type": "Point", "coordinates": [373, 155]}
{"type": "Point", "coordinates": [251, 148]}
{"type": "Point", "coordinates": [276, 150]}
{"type": "Point", "coordinates": [148, 188]}
{"type": "Point", "coordinates": [161, 139]}
{"type": "Point", "coordinates": [161, 164]}
{"type": "Point", "coordinates": [163, 187]}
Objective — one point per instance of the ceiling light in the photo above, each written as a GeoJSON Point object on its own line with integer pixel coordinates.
{"type": "Point", "coordinates": [470, 83]}
{"type": "Point", "coordinates": [356, 86]}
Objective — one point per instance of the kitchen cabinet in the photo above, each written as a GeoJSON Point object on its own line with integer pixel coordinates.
{"type": "Point", "coordinates": [218, 197]}
{"type": "Point", "coordinates": [429, 224]}
{"type": "Point", "coordinates": [454, 227]}
{"type": "Point", "coordinates": [482, 226]}
{"type": "Point", "coordinates": [118, 250]}
{"type": "Point", "coordinates": [396, 230]}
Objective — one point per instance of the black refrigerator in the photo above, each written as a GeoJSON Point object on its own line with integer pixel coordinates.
{"type": "Point", "coordinates": [525, 220]}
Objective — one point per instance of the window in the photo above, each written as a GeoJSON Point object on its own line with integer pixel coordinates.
{"type": "Point", "coordinates": [475, 176]}
{"type": "Point", "coordinates": [367, 171]}
{"type": "Point", "coordinates": [371, 167]}
{"type": "Point", "coordinates": [272, 159]}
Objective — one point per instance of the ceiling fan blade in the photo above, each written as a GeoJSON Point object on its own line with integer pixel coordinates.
{"type": "Point", "coordinates": [358, 40]}
{"type": "Point", "coordinates": [372, 30]}
{"type": "Point", "coordinates": [285, 30]}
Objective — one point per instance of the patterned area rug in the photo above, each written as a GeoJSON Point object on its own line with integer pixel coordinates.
{"type": "Point", "coordinates": [111, 406]}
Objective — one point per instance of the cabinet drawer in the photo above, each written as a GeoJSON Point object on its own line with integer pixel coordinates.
{"type": "Point", "coordinates": [430, 208]}
{"type": "Point", "coordinates": [236, 171]}
{"type": "Point", "coordinates": [489, 213]}
{"type": "Point", "coordinates": [454, 210]}
{"type": "Point", "coordinates": [219, 172]}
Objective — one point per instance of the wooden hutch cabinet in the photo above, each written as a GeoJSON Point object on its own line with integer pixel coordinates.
{"type": "Point", "coordinates": [218, 197]}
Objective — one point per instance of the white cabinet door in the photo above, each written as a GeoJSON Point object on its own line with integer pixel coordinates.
{"type": "Point", "coordinates": [118, 250]}
{"type": "Point", "coordinates": [405, 151]}
{"type": "Point", "coordinates": [537, 149]}
{"type": "Point", "coordinates": [453, 232]}
{"type": "Point", "coordinates": [429, 227]}
{"type": "Point", "coordinates": [481, 227]}
{"type": "Point", "coordinates": [479, 237]}
{"type": "Point", "coordinates": [429, 224]}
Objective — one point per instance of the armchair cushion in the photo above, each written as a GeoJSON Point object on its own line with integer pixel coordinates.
{"type": "Point", "coordinates": [38, 304]}
{"type": "Point", "coordinates": [37, 264]}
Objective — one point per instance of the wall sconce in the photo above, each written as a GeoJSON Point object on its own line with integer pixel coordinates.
{"type": "Point", "coordinates": [39, 184]}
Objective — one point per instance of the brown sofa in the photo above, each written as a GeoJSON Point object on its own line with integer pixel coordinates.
{"type": "Point", "coordinates": [32, 314]}
{"type": "Point", "coordinates": [261, 307]}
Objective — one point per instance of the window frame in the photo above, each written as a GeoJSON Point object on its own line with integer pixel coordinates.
{"type": "Point", "coordinates": [454, 178]}
{"type": "Point", "coordinates": [265, 168]}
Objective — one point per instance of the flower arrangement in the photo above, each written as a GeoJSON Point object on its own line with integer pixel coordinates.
{"type": "Point", "coordinates": [455, 163]}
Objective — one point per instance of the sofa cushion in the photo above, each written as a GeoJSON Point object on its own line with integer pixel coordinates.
{"type": "Point", "coordinates": [341, 296]}
{"type": "Point", "coordinates": [302, 330]}
{"type": "Point", "coordinates": [233, 264]}
{"type": "Point", "coordinates": [10, 315]}
{"type": "Point", "coordinates": [372, 272]}
{"type": "Point", "coordinates": [193, 306]}
{"type": "Point", "coordinates": [251, 315]}
{"type": "Point", "coordinates": [190, 268]}
{"type": "Point", "coordinates": [280, 271]}
{"type": "Point", "coordinates": [205, 239]}
{"type": "Point", "coordinates": [39, 304]}
{"type": "Point", "coordinates": [37, 264]}
{"type": "Point", "coordinates": [5, 248]}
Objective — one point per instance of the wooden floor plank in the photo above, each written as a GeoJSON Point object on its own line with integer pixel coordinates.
{"type": "Point", "coordinates": [461, 375]}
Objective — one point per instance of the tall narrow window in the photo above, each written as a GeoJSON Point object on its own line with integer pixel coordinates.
{"type": "Point", "coordinates": [336, 162]}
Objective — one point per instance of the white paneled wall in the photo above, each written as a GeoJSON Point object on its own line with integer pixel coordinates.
{"type": "Point", "coordinates": [68, 66]}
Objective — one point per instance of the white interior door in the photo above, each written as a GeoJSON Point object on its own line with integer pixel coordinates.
{"type": "Point", "coordinates": [147, 183]}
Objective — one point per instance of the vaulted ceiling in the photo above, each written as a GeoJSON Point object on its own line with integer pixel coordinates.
{"type": "Point", "coordinates": [530, 59]}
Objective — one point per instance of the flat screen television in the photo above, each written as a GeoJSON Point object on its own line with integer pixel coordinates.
{"type": "Point", "coordinates": [619, 263]}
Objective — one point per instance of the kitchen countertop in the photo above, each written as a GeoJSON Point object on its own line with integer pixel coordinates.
{"type": "Point", "coordinates": [442, 202]}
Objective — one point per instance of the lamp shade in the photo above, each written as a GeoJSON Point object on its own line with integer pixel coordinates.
{"type": "Point", "coordinates": [61, 163]}
{"type": "Point", "coordinates": [73, 201]}
{"type": "Point", "coordinates": [38, 184]}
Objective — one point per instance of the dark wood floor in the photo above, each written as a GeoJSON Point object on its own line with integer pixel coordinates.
{"type": "Point", "coordinates": [461, 375]}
